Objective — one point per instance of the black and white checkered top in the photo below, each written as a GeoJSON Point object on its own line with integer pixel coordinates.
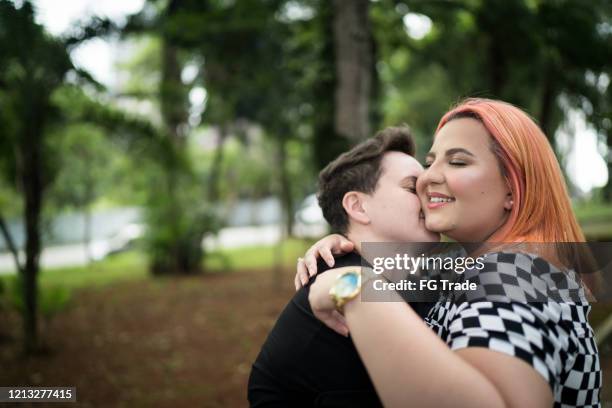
{"type": "Point", "coordinates": [547, 331]}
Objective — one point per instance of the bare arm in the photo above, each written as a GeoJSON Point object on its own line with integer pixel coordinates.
{"type": "Point", "coordinates": [408, 363]}
{"type": "Point", "coordinates": [324, 248]}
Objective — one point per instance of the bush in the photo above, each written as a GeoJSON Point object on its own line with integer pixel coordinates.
{"type": "Point", "coordinates": [176, 226]}
{"type": "Point", "coordinates": [51, 299]}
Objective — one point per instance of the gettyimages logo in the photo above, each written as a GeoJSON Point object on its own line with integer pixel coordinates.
{"type": "Point", "coordinates": [499, 272]}
{"type": "Point", "coordinates": [413, 264]}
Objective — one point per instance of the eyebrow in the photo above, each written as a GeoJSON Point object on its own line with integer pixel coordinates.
{"type": "Point", "coordinates": [452, 151]}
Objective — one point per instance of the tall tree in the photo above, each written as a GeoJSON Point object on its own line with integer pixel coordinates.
{"type": "Point", "coordinates": [34, 67]}
{"type": "Point", "coordinates": [354, 55]}
{"type": "Point", "coordinates": [176, 222]}
{"type": "Point", "coordinates": [526, 52]}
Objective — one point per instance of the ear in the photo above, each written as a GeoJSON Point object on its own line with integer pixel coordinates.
{"type": "Point", "coordinates": [353, 205]}
{"type": "Point", "coordinates": [508, 202]}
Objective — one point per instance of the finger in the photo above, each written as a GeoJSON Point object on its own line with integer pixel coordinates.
{"type": "Point", "coordinates": [300, 274]}
{"type": "Point", "coordinates": [310, 260]}
{"type": "Point", "coordinates": [338, 316]}
{"type": "Point", "coordinates": [297, 274]}
{"type": "Point", "coordinates": [346, 246]}
{"type": "Point", "coordinates": [327, 256]}
{"type": "Point", "coordinates": [336, 325]}
{"type": "Point", "coordinates": [296, 282]}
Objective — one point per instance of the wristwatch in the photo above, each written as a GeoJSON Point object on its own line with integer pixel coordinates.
{"type": "Point", "coordinates": [346, 287]}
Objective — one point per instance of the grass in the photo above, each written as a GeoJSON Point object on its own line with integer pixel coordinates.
{"type": "Point", "coordinates": [120, 267]}
{"type": "Point", "coordinates": [57, 285]}
{"type": "Point", "coordinates": [594, 212]}
{"type": "Point", "coordinates": [132, 265]}
{"type": "Point", "coordinates": [595, 220]}
{"type": "Point", "coordinates": [257, 257]}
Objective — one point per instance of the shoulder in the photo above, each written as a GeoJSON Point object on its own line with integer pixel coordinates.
{"type": "Point", "coordinates": [522, 277]}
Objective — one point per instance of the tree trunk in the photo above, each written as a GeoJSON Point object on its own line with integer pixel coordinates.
{"type": "Point", "coordinates": [32, 181]}
{"type": "Point", "coordinates": [607, 190]}
{"type": "Point", "coordinates": [353, 53]}
{"type": "Point", "coordinates": [179, 253]}
{"type": "Point", "coordinates": [215, 168]}
{"type": "Point", "coordinates": [87, 232]}
{"type": "Point", "coordinates": [285, 186]}
{"type": "Point", "coordinates": [547, 105]}
{"type": "Point", "coordinates": [10, 243]}
{"type": "Point", "coordinates": [172, 94]}
{"type": "Point", "coordinates": [497, 75]}
{"type": "Point", "coordinates": [327, 143]}
{"type": "Point", "coordinates": [86, 208]}
{"type": "Point", "coordinates": [277, 269]}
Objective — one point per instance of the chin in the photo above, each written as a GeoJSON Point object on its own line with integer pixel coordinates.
{"type": "Point", "coordinates": [427, 236]}
{"type": "Point", "coordinates": [435, 227]}
{"type": "Point", "coordinates": [433, 236]}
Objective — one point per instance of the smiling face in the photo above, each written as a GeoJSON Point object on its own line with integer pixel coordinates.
{"type": "Point", "coordinates": [394, 209]}
{"type": "Point", "coordinates": [462, 190]}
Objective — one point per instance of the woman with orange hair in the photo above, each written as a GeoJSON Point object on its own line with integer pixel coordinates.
{"type": "Point", "coordinates": [491, 176]}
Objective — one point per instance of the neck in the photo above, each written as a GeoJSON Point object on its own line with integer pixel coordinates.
{"type": "Point", "coordinates": [359, 234]}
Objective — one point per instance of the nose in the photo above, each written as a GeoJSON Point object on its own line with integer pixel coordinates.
{"type": "Point", "coordinates": [431, 175]}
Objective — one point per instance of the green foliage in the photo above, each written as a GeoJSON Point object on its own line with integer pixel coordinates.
{"type": "Point", "coordinates": [132, 266]}
{"type": "Point", "coordinates": [10, 201]}
{"type": "Point", "coordinates": [594, 212]}
{"type": "Point", "coordinates": [84, 153]}
{"type": "Point", "coordinates": [177, 220]}
{"type": "Point", "coordinates": [134, 134]}
{"type": "Point", "coordinates": [34, 65]}
{"type": "Point", "coordinates": [121, 267]}
{"type": "Point", "coordinates": [525, 52]}
{"type": "Point", "coordinates": [249, 171]}
{"type": "Point", "coordinates": [256, 257]}
{"type": "Point", "coordinates": [51, 299]}
{"type": "Point", "coordinates": [144, 68]}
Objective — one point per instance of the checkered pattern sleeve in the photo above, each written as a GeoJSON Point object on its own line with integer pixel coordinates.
{"type": "Point", "coordinates": [510, 328]}
{"type": "Point", "coordinates": [554, 337]}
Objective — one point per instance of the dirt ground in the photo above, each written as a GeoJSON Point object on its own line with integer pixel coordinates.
{"type": "Point", "coordinates": [186, 342]}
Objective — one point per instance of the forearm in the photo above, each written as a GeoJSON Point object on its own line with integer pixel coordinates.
{"type": "Point", "coordinates": [408, 363]}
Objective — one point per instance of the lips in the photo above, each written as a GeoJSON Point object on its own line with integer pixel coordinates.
{"type": "Point", "coordinates": [438, 200]}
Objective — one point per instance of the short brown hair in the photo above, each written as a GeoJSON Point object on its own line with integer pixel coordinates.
{"type": "Point", "coordinates": [358, 170]}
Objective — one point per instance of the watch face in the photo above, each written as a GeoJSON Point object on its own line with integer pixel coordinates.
{"type": "Point", "coordinates": [347, 284]}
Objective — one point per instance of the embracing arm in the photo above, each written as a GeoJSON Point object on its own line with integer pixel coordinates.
{"type": "Point", "coordinates": [408, 363]}
{"type": "Point", "coordinates": [324, 248]}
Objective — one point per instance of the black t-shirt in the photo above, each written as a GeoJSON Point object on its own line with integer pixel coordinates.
{"type": "Point", "coordinates": [303, 363]}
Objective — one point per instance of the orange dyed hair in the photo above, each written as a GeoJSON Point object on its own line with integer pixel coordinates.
{"type": "Point", "coordinates": [542, 211]}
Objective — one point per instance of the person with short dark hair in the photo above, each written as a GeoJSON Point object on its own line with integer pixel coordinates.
{"type": "Point", "coordinates": [366, 194]}
{"type": "Point", "coordinates": [358, 170]}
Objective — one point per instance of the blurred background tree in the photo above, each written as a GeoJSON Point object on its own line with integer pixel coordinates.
{"type": "Point", "coordinates": [219, 101]}
{"type": "Point", "coordinates": [34, 66]}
